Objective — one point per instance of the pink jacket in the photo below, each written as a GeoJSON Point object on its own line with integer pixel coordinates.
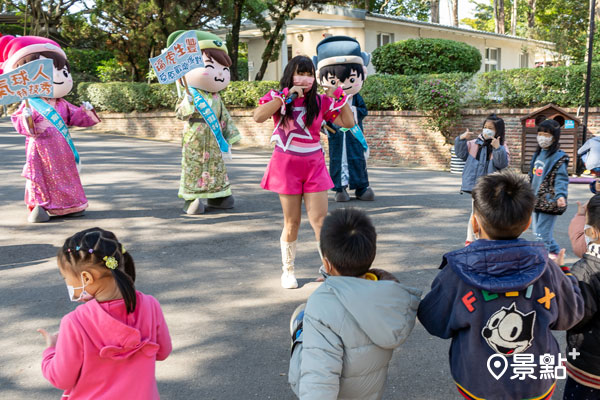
{"type": "Point", "coordinates": [104, 353]}
{"type": "Point", "coordinates": [577, 236]}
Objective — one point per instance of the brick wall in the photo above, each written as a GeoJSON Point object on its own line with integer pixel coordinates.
{"type": "Point", "coordinates": [395, 137]}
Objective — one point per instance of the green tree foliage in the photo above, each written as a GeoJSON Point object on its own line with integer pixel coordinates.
{"type": "Point", "coordinates": [138, 29]}
{"type": "Point", "coordinates": [564, 22]}
{"type": "Point", "coordinates": [426, 56]}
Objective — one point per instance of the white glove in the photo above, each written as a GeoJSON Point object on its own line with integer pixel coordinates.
{"type": "Point", "coordinates": [190, 98]}
{"type": "Point", "coordinates": [367, 153]}
{"type": "Point", "coordinates": [87, 105]}
{"type": "Point", "coordinates": [26, 112]}
{"type": "Point", "coordinates": [227, 156]}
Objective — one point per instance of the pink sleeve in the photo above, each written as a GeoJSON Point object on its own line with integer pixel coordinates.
{"type": "Point", "coordinates": [21, 126]}
{"type": "Point", "coordinates": [79, 116]}
{"type": "Point", "coordinates": [163, 339]}
{"type": "Point", "coordinates": [577, 235]}
{"type": "Point", "coordinates": [61, 365]}
{"type": "Point", "coordinates": [329, 114]}
{"type": "Point", "coordinates": [266, 98]}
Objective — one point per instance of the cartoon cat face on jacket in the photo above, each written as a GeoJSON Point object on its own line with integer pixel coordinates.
{"type": "Point", "coordinates": [213, 77]}
{"type": "Point", "coordinates": [509, 331]}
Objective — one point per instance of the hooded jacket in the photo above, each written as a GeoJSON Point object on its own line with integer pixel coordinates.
{"type": "Point", "coordinates": [585, 336]}
{"type": "Point", "coordinates": [104, 353]}
{"type": "Point", "coordinates": [351, 328]}
{"type": "Point", "coordinates": [474, 168]}
{"type": "Point", "coordinates": [500, 298]}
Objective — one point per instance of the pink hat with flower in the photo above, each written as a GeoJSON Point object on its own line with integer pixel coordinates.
{"type": "Point", "coordinates": [12, 49]}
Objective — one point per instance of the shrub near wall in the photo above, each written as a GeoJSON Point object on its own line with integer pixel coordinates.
{"type": "Point", "coordinates": [426, 56]}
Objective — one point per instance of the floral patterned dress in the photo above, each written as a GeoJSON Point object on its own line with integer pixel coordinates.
{"type": "Point", "coordinates": [203, 171]}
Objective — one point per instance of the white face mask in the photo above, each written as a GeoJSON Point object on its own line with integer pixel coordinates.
{"type": "Point", "coordinates": [83, 293]}
{"type": "Point", "coordinates": [544, 141]}
{"type": "Point", "coordinates": [488, 133]}
{"type": "Point", "coordinates": [588, 239]}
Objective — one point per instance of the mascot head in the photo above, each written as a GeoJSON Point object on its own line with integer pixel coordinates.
{"type": "Point", "coordinates": [215, 75]}
{"type": "Point", "coordinates": [17, 51]}
{"type": "Point", "coordinates": [339, 59]}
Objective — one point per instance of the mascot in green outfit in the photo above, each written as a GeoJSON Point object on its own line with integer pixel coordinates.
{"type": "Point", "coordinates": [206, 143]}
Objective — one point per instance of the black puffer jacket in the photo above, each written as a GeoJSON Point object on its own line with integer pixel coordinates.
{"type": "Point", "coordinates": [585, 336]}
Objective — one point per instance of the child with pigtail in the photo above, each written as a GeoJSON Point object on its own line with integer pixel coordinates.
{"type": "Point", "coordinates": [108, 346]}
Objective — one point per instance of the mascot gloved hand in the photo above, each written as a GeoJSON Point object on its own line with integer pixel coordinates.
{"type": "Point", "coordinates": [52, 186]}
{"type": "Point", "coordinates": [339, 60]}
{"type": "Point", "coordinates": [209, 132]}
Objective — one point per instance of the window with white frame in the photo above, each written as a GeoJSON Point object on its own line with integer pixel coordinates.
{"type": "Point", "coordinates": [384, 38]}
{"type": "Point", "coordinates": [524, 60]}
{"type": "Point", "coordinates": [492, 59]}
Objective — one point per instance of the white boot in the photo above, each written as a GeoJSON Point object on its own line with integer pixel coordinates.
{"type": "Point", "coordinates": [288, 256]}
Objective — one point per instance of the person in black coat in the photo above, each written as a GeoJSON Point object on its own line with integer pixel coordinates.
{"type": "Point", "coordinates": [583, 340]}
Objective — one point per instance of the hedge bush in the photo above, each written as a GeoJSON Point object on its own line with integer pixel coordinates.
{"type": "Point", "coordinates": [85, 62]}
{"type": "Point", "coordinates": [140, 97]}
{"type": "Point", "coordinates": [511, 88]}
{"type": "Point", "coordinates": [398, 92]}
{"type": "Point", "coordinates": [426, 56]}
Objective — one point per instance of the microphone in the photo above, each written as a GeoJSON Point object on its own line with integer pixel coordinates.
{"type": "Point", "coordinates": [291, 98]}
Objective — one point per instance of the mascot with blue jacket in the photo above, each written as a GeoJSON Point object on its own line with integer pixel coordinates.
{"type": "Point", "coordinates": [340, 62]}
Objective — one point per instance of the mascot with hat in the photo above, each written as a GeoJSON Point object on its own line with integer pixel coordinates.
{"type": "Point", "coordinates": [339, 59]}
{"type": "Point", "coordinates": [203, 171]}
{"type": "Point", "coordinates": [53, 187]}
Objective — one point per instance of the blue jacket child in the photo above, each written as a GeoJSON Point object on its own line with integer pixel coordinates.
{"type": "Point", "coordinates": [498, 301]}
{"type": "Point", "coordinates": [544, 159]}
{"type": "Point", "coordinates": [482, 156]}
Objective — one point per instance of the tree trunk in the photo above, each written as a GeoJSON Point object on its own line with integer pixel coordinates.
{"type": "Point", "coordinates": [435, 11]}
{"type": "Point", "coordinates": [274, 39]}
{"type": "Point", "coordinates": [266, 55]}
{"type": "Point", "coordinates": [499, 16]}
{"type": "Point", "coordinates": [531, 18]}
{"type": "Point", "coordinates": [238, 6]}
{"type": "Point", "coordinates": [513, 19]}
{"type": "Point", "coordinates": [455, 13]}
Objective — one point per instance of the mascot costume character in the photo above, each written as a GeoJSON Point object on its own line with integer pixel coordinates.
{"type": "Point", "coordinates": [206, 144]}
{"type": "Point", "coordinates": [339, 59]}
{"type": "Point", "coordinates": [53, 187]}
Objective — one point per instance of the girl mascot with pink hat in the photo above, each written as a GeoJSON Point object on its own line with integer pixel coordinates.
{"type": "Point", "coordinates": [53, 187]}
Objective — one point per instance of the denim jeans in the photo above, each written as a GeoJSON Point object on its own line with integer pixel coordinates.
{"type": "Point", "coordinates": [543, 227]}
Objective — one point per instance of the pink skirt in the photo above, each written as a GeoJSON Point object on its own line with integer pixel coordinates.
{"type": "Point", "coordinates": [292, 174]}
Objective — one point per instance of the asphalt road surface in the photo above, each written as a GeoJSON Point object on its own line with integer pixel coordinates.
{"type": "Point", "coordinates": [217, 275]}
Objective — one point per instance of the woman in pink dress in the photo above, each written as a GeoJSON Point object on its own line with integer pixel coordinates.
{"type": "Point", "coordinates": [53, 186]}
{"type": "Point", "coordinates": [297, 168]}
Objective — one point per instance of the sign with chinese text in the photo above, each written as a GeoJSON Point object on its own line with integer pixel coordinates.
{"type": "Point", "coordinates": [569, 124]}
{"type": "Point", "coordinates": [530, 123]}
{"type": "Point", "coordinates": [33, 79]}
{"type": "Point", "coordinates": [180, 58]}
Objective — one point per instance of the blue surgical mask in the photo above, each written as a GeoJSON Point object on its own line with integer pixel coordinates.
{"type": "Point", "coordinates": [83, 293]}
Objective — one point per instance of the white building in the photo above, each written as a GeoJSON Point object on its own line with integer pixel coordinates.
{"type": "Point", "coordinates": [373, 30]}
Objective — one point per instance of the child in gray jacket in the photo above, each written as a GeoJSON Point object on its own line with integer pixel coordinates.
{"type": "Point", "coordinates": [344, 339]}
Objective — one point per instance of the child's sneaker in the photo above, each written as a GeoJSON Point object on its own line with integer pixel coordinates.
{"type": "Point", "coordinates": [288, 279]}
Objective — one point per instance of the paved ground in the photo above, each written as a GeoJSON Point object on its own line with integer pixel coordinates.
{"type": "Point", "coordinates": [216, 275]}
